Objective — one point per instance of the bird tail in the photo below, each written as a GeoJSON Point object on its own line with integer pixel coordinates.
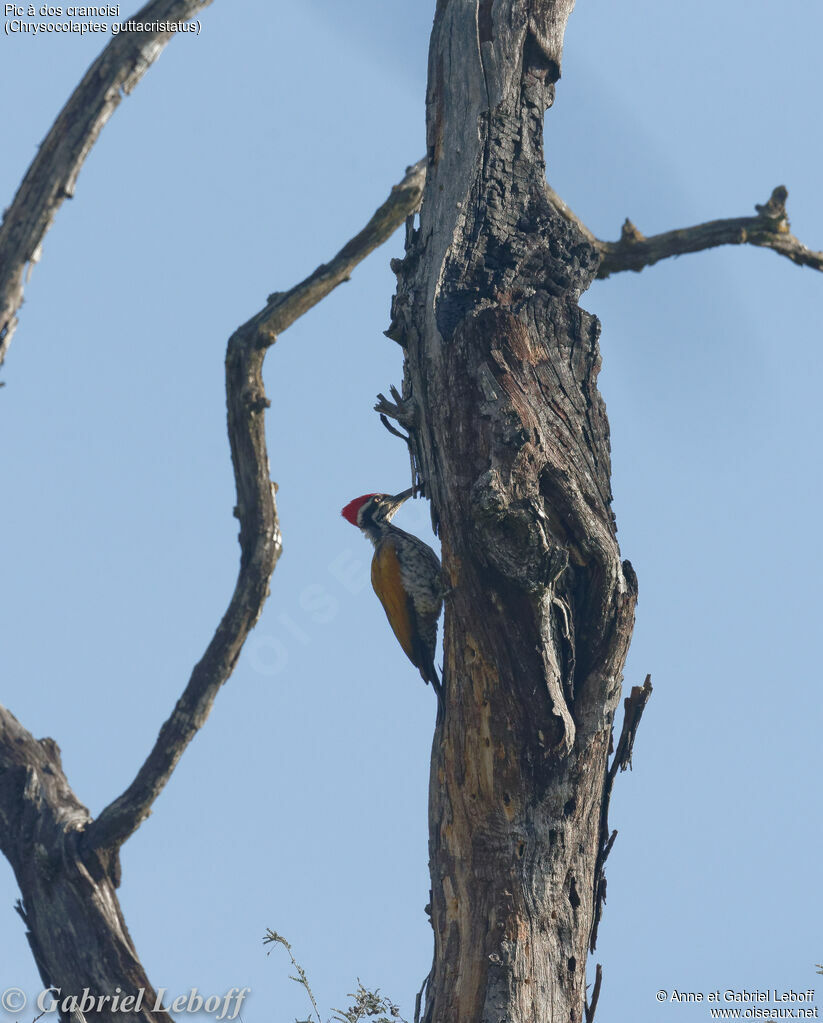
{"type": "Point", "coordinates": [430, 675]}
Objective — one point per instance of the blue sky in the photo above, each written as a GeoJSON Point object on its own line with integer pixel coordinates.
{"type": "Point", "coordinates": [246, 157]}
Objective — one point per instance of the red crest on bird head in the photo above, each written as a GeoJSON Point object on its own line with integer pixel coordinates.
{"type": "Point", "coordinates": [349, 513]}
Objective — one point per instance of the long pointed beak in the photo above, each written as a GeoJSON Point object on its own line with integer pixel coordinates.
{"type": "Point", "coordinates": [398, 499]}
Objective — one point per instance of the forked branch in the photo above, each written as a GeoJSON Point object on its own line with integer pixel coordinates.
{"type": "Point", "coordinates": [260, 543]}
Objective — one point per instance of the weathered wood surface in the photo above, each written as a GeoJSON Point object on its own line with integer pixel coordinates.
{"type": "Point", "coordinates": [511, 443]}
{"type": "Point", "coordinates": [74, 923]}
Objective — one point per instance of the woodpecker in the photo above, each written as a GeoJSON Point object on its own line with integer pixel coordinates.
{"type": "Point", "coordinates": [406, 576]}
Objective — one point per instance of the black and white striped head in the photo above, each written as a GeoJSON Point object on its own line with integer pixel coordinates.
{"type": "Point", "coordinates": [373, 512]}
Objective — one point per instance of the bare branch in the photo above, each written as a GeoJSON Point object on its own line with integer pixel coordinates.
{"type": "Point", "coordinates": [634, 251]}
{"type": "Point", "coordinates": [53, 173]}
{"type": "Point", "coordinates": [633, 707]}
{"type": "Point", "coordinates": [769, 229]}
{"type": "Point", "coordinates": [283, 308]}
{"type": "Point", "coordinates": [591, 1007]}
{"type": "Point", "coordinates": [260, 542]}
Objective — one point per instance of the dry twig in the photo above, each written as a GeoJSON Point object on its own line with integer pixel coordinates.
{"type": "Point", "coordinates": [633, 707]}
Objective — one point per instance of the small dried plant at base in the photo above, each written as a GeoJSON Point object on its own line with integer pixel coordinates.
{"type": "Point", "coordinates": [368, 1004]}
{"type": "Point", "coordinates": [365, 1004]}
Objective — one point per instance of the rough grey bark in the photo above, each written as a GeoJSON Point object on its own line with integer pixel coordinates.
{"type": "Point", "coordinates": [511, 443]}
{"type": "Point", "coordinates": [75, 927]}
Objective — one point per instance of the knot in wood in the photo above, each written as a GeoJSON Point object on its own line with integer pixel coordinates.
{"type": "Point", "coordinates": [513, 537]}
{"type": "Point", "coordinates": [46, 866]}
{"type": "Point", "coordinates": [775, 209]}
{"type": "Point", "coordinates": [629, 234]}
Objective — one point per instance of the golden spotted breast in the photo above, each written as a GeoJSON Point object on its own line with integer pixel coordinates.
{"type": "Point", "coordinates": [388, 585]}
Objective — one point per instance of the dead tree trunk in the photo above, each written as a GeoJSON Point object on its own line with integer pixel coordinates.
{"type": "Point", "coordinates": [74, 924]}
{"type": "Point", "coordinates": [511, 442]}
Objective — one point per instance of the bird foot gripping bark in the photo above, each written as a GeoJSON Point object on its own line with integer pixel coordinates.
{"type": "Point", "coordinates": [402, 410]}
